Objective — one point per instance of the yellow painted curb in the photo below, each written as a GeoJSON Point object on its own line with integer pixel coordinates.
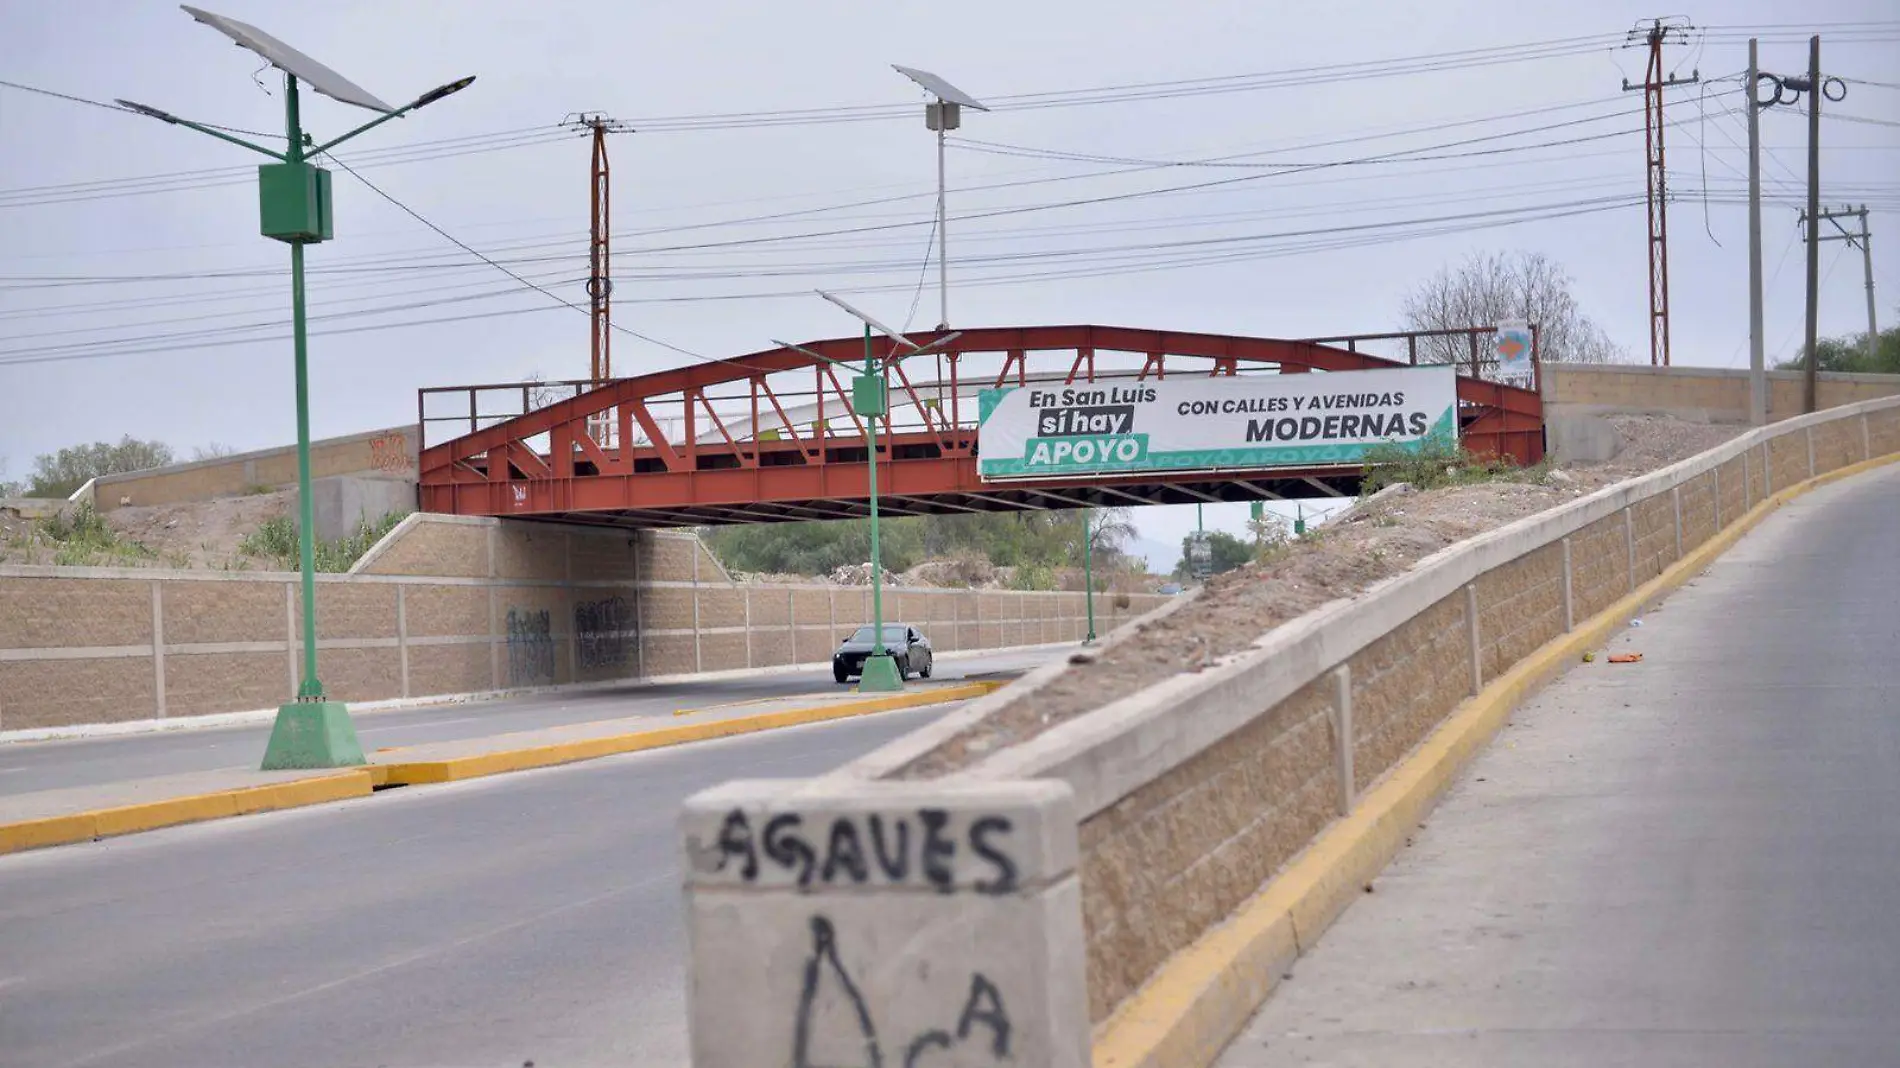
{"type": "Point", "coordinates": [415, 773]}
{"type": "Point", "coordinates": [171, 811]}
{"type": "Point", "coordinates": [1185, 1015]}
{"type": "Point", "coordinates": [319, 789]}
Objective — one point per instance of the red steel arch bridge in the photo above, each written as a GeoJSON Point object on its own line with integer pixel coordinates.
{"type": "Point", "coordinates": [771, 436]}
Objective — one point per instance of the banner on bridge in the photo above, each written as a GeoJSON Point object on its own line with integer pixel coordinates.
{"type": "Point", "coordinates": [1188, 424]}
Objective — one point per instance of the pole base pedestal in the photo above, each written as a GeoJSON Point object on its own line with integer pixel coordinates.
{"type": "Point", "coordinates": [880, 675]}
{"type": "Point", "coordinates": [313, 734]}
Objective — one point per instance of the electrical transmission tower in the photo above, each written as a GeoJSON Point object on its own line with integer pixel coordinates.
{"type": "Point", "coordinates": [1862, 240]}
{"type": "Point", "coordinates": [1659, 32]}
{"type": "Point", "coordinates": [600, 285]}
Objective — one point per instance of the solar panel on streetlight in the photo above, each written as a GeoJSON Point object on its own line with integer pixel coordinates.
{"type": "Point", "coordinates": [290, 61]}
{"type": "Point", "coordinates": [939, 88]}
{"type": "Point", "coordinates": [868, 321]}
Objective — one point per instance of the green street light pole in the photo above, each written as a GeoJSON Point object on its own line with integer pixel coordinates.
{"type": "Point", "coordinates": [1088, 572]}
{"type": "Point", "coordinates": [311, 688]}
{"type": "Point", "coordinates": [294, 202]}
{"type": "Point", "coordinates": [880, 671]}
{"type": "Point", "coordinates": [870, 398]}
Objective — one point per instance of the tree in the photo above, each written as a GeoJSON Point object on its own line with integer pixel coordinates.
{"type": "Point", "coordinates": [59, 474]}
{"type": "Point", "coordinates": [1112, 530]}
{"type": "Point", "coordinates": [1849, 355]}
{"type": "Point", "coordinates": [1228, 553]}
{"type": "Point", "coordinates": [7, 489]}
{"type": "Point", "coordinates": [1486, 289]}
{"type": "Point", "coordinates": [216, 450]}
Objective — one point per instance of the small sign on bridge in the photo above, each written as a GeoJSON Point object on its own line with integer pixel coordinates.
{"type": "Point", "coordinates": [1223, 423]}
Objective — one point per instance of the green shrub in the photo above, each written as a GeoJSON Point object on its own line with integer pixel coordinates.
{"type": "Point", "coordinates": [1439, 463]}
{"type": "Point", "coordinates": [83, 539]}
{"type": "Point", "coordinates": [275, 540]}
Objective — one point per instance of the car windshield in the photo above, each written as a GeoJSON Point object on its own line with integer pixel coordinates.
{"type": "Point", "coordinates": [892, 635]}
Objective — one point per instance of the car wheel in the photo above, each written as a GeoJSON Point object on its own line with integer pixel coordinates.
{"type": "Point", "coordinates": [929, 665]}
{"type": "Point", "coordinates": [903, 666]}
{"type": "Point", "coordinates": [839, 674]}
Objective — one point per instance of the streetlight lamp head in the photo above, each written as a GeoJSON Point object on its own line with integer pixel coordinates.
{"type": "Point", "coordinates": [149, 112]}
{"type": "Point", "coordinates": [290, 61]}
{"type": "Point", "coordinates": [441, 91]}
{"type": "Point", "coordinates": [868, 321]}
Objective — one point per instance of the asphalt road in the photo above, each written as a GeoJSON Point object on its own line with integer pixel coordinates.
{"type": "Point", "coordinates": [1692, 861]}
{"type": "Point", "coordinates": [26, 767]}
{"type": "Point", "coordinates": [533, 916]}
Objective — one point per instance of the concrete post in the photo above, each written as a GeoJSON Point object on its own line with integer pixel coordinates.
{"type": "Point", "coordinates": [158, 650]}
{"type": "Point", "coordinates": [1570, 594]}
{"type": "Point", "coordinates": [748, 626]}
{"type": "Point", "coordinates": [1809, 434]}
{"type": "Point", "coordinates": [1748, 483]}
{"type": "Point", "coordinates": [1866, 439]}
{"type": "Point", "coordinates": [1767, 470]}
{"type": "Point", "coordinates": [1716, 471]}
{"type": "Point", "coordinates": [956, 620]}
{"type": "Point", "coordinates": [639, 611]}
{"type": "Point", "coordinates": [1675, 499]}
{"type": "Point", "coordinates": [699, 659]}
{"type": "Point", "coordinates": [494, 634]}
{"type": "Point", "coordinates": [402, 634]}
{"type": "Point", "coordinates": [290, 632]}
{"type": "Point", "coordinates": [791, 622]}
{"type": "Point", "coordinates": [1342, 736]}
{"type": "Point", "coordinates": [1629, 541]}
{"type": "Point", "coordinates": [1477, 650]}
{"type": "Point", "coordinates": [883, 923]}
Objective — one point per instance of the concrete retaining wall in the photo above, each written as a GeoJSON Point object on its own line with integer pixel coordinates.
{"type": "Point", "coordinates": [446, 606]}
{"type": "Point", "coordinates": [1191, 795]}
{"type": "Point", "coordinates": [385, 454]}
{"type": "Point", "coordinates": [1707, 394]}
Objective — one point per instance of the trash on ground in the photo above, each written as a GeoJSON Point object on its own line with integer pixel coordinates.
{"type": "Point", "coordinates": [1589, 658]}
{"type": "Point", "coordinates": [1636, 622]}
{"type": "Point", "coordinates": [1626, 658]}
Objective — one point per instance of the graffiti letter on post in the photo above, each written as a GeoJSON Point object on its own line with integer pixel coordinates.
{"type": "Point", "coordinates": [530, 647]}
{"type": "Point", "coordinates": [603, 631]}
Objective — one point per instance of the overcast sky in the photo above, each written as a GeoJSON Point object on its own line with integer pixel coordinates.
{"type": "Point", "coordinates": [201, 355]}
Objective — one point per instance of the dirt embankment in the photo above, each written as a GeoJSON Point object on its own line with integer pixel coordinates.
{"type": "Point", "coordinates": [197, 534]}
{"type": "Point", "coordinates": [1371, 541]}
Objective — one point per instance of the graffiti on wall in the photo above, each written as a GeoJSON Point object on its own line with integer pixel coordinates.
{"type": "Point", "coordinates": [389, 453]}
{"type": "Point", "coordinates": [604, 632]}
{"type": "Point", "coordinates": [530, 647]}
{"type": "Point", "coordinates": [819, 1037]}
{"type": "Point", "coordinates": [856, 849]}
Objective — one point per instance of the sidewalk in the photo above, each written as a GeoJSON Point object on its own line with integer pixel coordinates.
{"type": "Point", "coordinates": [1687, 861]}
{"type": "Point", "coordinates": [75, 814]}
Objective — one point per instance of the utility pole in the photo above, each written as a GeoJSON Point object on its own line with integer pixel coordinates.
{"type": "Point", "coordinates": [600, 285]}
{"type": "Point", "coordinates": [1863, 238]}
{"type": "Point", "coordinates": [1813, 221]}
{"type": "Point", "coordinates": [1652, 86]}
{"type": "Point", "coordinates": [1757, 363]}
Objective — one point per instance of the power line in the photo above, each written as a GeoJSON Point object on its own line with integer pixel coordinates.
{"type": "Point", "coordinates": [124, 109]}
{"type": "Point", "coordinates": [1176, 255]}
{"type": "Point", "coordinates": [459, 243]}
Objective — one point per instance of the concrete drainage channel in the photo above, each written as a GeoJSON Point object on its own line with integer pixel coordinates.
{"type": "Point", "coordinates": [1125, 888]}
{"type": "Point", "coordinates": [36, 821]}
